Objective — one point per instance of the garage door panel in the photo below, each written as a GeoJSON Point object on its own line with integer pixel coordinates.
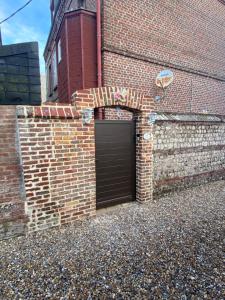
{"type": "Point", "coordinates": [115, 161]}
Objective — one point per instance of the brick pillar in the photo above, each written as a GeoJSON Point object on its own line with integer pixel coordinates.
{"type": "Point", "coordinates": [144, 161]}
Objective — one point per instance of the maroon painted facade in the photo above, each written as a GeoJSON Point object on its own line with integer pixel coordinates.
{"type": "Point", "coordinates": [78, 66]}
{"type": "Point", "coordinates": [70, 54]}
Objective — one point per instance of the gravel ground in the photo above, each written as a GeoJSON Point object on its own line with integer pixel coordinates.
{"type": "Point", "coordinates": [173, 248]}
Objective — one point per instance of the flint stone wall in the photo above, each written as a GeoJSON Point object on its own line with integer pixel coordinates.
{"type": "Point", "coordinates": [188, 150]}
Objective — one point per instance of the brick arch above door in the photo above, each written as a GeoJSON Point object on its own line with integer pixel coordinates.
{"type": "Point", "coordinates": [113, 96]}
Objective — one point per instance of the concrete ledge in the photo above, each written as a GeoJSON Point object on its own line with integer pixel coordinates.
{"type": "Point", "coordinates": [48, 111]}
{"type": "Point", "coordinates": [173, 117]}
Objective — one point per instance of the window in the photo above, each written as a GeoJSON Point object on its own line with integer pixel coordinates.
{"type": "Point", "coordinates": [54, 70]}
{"type": "Point", "coordinates": [49, 80]}
{"type": "Point", "coordinates": [52, 9]}
{"type": "Point", "coordinates": [59, 51]}
{"type": "Point", "coordinates": [52, 74]}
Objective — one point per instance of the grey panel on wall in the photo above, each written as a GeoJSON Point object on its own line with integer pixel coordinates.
{"type": "Point", "coordinates": [20, 74]}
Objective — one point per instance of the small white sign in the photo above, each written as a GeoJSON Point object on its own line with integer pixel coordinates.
{"type": "Point", "coordinates": [147, 136]}
{"type": "Point", "coordinates": [152, 118]}
{"type": "Point", "coordinates": [87, 115]}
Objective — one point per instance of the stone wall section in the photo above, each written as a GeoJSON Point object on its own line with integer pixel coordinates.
{"type": "Point", "coordinates": [188, 153]}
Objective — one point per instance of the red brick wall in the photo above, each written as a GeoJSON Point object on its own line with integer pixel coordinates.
{"type": "Point", "coordinates": [58, 152]}
{"type": "Point", "coordinates": [115, 114]}
{"type": "Point", "coordinates": [187, 37]}
{"type": "Point", "coordinates": [12, 217]}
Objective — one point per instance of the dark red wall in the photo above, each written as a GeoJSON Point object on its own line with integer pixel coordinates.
{"type": "Point", "coordinates": [89, 52]}
{"type": "Point", "coordinates": [78, 67]}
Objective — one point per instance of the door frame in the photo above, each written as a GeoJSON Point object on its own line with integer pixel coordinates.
{"type": "Point", "coordinates": [142, 106]}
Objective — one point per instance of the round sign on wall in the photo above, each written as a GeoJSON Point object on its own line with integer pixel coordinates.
{"type": "Point", "coordinates": [147, 136]}
{"type": "Point", "coordinates": [164, 78]}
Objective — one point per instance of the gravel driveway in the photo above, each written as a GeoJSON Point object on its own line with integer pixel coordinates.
{"type": "Point", "coordinates": [173, 248]}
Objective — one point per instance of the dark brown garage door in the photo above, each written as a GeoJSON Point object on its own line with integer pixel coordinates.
{"type": "Point", "coordinates": [115, 162]}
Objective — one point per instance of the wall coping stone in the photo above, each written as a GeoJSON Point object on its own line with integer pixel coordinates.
{"type": "Point", "coordinates": [174, 117]}
{"type": "Point", "coordinates": [55, 111]}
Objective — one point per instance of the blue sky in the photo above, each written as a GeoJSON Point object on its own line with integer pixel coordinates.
{"type": "Point", "coordinates": [30, 24]}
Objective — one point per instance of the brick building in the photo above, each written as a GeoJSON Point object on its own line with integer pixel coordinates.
{"type": "Point", "coordinates": [137, 43]}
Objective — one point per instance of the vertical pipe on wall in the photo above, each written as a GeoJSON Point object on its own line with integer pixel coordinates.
{"type": "Point", "coordinates": [82, 50]}
{"type": "Point", "coordinates": [68, 62]}
{"type": "Point", "coordinates": [99, 43]}
{"type": "Point", "coordinates": [99, 54]}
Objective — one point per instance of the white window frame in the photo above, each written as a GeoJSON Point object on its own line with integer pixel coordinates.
{"type": "Point", "coordinates": [54, 70]}
{"type": "Point", "coordinates": [59, 49]}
